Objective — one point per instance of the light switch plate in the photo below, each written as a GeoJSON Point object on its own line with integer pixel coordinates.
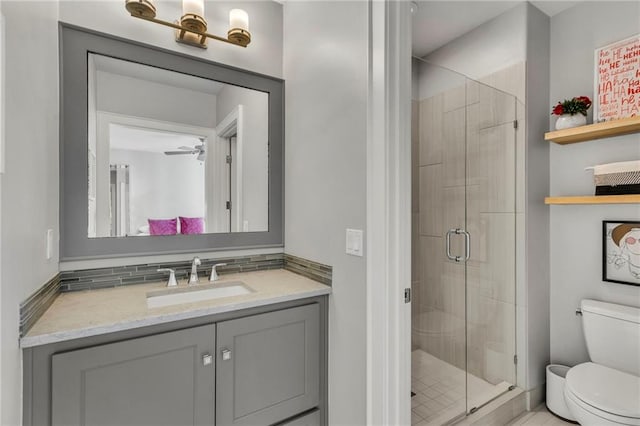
{"type": "Point", "coordinates": [355, 242]}
{"type": "Point", "coordinates": [49, 243]}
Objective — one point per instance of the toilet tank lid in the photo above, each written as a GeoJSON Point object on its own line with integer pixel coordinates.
{"type": "Point", "coordinates": [625, 313]}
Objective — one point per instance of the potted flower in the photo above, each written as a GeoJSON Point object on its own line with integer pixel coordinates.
{"type": "Point", "coordinates": [572, 112]}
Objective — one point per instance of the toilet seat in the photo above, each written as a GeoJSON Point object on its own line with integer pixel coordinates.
{"type": "Point", "coordinates": [607, 393]}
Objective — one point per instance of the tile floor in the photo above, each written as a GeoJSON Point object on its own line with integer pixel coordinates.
{"type": "Point", "coordinates": [440, 390]}
{"type": "Point", "coordinates": [540, 416]}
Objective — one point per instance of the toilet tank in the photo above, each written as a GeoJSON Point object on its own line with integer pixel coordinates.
{"type": "Point", "coordinates": [612, 333]}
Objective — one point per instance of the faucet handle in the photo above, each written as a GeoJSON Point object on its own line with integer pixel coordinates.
{"type": "Point", "coordinates": [214, 272]}
{"type": "Point", "coordinates": [172, 276]}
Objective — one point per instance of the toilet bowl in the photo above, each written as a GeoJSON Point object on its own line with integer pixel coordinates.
{"type": "Point", "coordinates": [606, 391]}
{"type": "Point", "coordinates": [599, 395]}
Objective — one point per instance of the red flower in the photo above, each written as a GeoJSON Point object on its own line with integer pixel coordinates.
{"type": "Point", "coordinates": [558, 110]}
{"type": "Point", "coordinates": [585, 100]}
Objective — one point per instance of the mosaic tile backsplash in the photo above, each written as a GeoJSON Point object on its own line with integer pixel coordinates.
{"type": "Point", "coordinates": [91, 279]}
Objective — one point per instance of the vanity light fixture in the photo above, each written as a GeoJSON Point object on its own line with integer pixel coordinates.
{"type": "Point", "coordinates": [191, 29]}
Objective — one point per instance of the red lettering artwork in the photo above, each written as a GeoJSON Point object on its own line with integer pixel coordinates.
{"type": "Point", "coordinates": [617, 82]}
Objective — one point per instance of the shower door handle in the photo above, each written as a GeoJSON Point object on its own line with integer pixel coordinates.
{"type": "Point", "coordinates": [448, 244]}
{"type": "Point", "coordinates": [467, 245]}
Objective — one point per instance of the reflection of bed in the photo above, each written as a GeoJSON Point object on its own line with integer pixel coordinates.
{"type": "Point", "coordinates": [175, 226]}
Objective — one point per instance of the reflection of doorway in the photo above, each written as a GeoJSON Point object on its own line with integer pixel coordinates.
{"type": "Point", "coordinates": [163, 197]}
{"type": "Point", "coordinates": [226, 158]}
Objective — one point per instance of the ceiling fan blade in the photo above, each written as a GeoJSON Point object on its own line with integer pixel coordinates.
{"type": "Point", "coordinates": [180, 152]}
{"type": "Point", "coordinates": [186, 148]}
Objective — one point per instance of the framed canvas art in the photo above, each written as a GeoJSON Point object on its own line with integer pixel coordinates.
{"type": "Point", "coordinates": [617, 80]}
{"type": "Point", "coordinates": [621, 252]}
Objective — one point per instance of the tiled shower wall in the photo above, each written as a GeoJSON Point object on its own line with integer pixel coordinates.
{"type": "Point", "coordinates": [465, 158]}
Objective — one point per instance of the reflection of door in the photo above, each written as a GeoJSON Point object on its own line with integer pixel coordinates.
{"type": "Point", "coordinates": [226, 169]}
{"type": "Point", "coordinates": [234, 226]}
{"type": "Point", "coordinates": [119, 184]}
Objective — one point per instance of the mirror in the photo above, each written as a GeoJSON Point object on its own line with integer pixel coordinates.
{"type": "Point", "coordinates": [163, 152]}
{"type": "Point", "coordinates": [171, 153]}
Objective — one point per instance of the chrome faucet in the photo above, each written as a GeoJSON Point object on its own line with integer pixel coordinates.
{"type": "Point", "coordinates": [214, 272]}
{"type": "Point", "coordinates": [172, 276]}
{"type": "Point", "coordinates": [193, 276]}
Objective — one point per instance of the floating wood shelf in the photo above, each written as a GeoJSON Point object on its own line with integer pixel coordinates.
{"type": "Point", "coordinates": [607, 129]}
{"type": "Point", "coordinates": [589, 199]}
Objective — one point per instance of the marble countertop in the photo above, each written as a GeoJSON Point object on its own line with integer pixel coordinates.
{"type": "Point", "coordinates": [93, 312]}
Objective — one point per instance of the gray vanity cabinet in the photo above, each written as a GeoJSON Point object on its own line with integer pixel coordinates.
{"type": "Point", "coordinates": [268, 366]}
{"type": "Point", "coordinates": [164, 379]}
{"type": "Point", "coordinates": [259, 366]}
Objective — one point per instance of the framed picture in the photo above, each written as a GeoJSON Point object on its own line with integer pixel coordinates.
{"type": "Point", "coordinates": [616, 90]}
{"type": "Point", "coordinates": [621, 252]}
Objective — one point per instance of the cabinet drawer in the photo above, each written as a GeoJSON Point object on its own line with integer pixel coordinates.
{"type": "Point", "coordinates": [268, 366]}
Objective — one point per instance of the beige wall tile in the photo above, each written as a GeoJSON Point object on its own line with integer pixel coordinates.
{"type": "Point", "coordinates": [511, 79]}
{"type": "Point", "coordinates": [491, 164]}
{"type": "Point", "coordinates": [430, 203]}
{"type": "Point", "coordinates": [521, 165]}
{"type": "Point", "coordinates": [495, 107]}
{"type": "Point", "coordinates": [430, 130]}
{"type": "Point", "coordinates": [494, 275]}
{"type": "Point", "coordinates": [415, 152]}
{"type": "Point", "coordinates": [454, 98]}
{"type": "Point", "coordinates": [453, 216]}
{"type": "Point", "coordinates": [473, 92]}
{"type": "Point", "coordinates": [454, 149]}
{"type": "Point", "coordinates": [415, 247]}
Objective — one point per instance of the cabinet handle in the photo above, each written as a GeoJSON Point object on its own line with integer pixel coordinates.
{"type": "Point", "coordinates": [207, 359]}
{"type": "Point", "coordinates": [226, 354]}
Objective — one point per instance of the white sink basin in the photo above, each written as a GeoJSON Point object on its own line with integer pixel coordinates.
{"type": "Point", "coordinates": [196, 293]}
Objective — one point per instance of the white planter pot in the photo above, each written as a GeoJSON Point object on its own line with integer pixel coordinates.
{"type": "Point", "coordinates": [567, 121]}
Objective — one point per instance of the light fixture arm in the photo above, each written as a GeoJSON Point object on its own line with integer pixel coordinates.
{"type": "Point", "coordinates": [143, 9]}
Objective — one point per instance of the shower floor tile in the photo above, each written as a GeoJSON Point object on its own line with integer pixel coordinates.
{"type": "Point", "coordinates": [440, 390]}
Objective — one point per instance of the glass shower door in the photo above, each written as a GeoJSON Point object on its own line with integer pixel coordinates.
{"type": "Point", "coordinates": [491, 221]}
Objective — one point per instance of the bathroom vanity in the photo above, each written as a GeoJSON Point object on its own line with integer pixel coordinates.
{"type": "Point", "coordinates": [104, 357]}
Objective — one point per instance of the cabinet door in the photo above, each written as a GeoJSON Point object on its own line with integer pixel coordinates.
{"type": "Point", "coordinates": [268, 366]}
{"type": "Point", "coordinates": [155, 380]}
{"type": "Point", "coordinates": [311, 419]}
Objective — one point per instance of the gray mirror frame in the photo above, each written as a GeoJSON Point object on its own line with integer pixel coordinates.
{"type": "Point", "coordinates": [75, 45]}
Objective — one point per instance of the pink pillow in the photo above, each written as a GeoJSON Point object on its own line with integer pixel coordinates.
{"type": "Point", "coordinates": [191, 225]}
{"type": "Point", "coordinates": [163, 226]}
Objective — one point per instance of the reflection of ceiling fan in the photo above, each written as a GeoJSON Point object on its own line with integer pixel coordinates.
{"type": "Point", "coordinates": [187, 150]}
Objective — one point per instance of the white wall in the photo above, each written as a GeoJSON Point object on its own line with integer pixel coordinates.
{"type": "Point", "coordinates": [255, 151]}
{"type": "Point", "coordinates": [536, 213]}
{"type": "Point", "coordinates": [139, 98]}
{"type": "Point", "coordinates": [490, 47]}
{"type": "Point", "coordinates": [29, 186]}
{"type": "Point", "coordinates": [576, 235]}
{"type": "Point", "coordinates": [263, 55]}
{"type": "Point", "coordinates": [161, 186]}
{"type": "Point", "coordinates": [325, 66]}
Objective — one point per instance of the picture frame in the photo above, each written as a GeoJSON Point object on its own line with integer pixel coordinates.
{"type": "Point", "coordinates": [616, 86]}
{"type": "Point", "coordinates": [621, 251]}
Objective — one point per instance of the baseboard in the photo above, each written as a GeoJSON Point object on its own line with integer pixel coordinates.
{"type": "Point", "coordinates": [536, 396]}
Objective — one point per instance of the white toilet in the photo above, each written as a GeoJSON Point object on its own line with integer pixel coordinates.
{"type": "Point", "coordinates": [606, 391]}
